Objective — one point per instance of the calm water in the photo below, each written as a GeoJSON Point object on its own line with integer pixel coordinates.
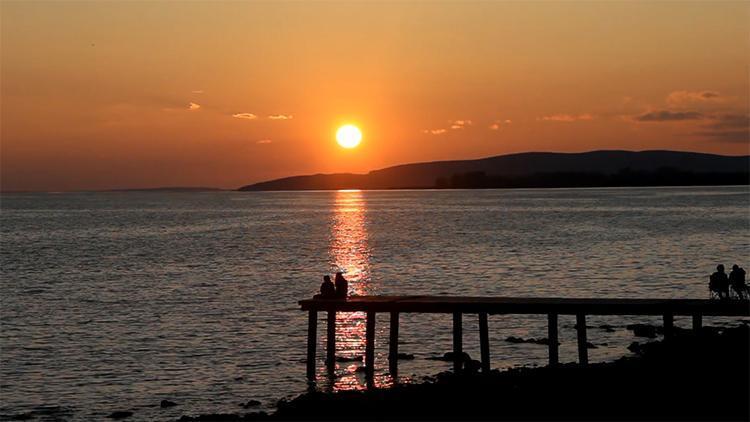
{"type": "Point", "coordinates": [115, 301]}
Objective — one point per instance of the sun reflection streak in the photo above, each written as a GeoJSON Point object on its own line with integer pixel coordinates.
{"type": "Point", "coordinates": [349, 253]}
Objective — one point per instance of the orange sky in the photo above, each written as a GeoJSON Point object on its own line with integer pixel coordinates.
{"type": "Point", "coordinates": [98, 95]}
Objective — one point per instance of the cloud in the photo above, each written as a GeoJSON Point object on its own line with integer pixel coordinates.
{"type": "Point", "coordinates": [280, 116]}
{"type": "Point", "coordinates": [434, 131]}
{"type": "Point", "coordinates": [738, 136]}
{"type": "Point", "coordinates": [264, 141]}
{"type": "Point", "coordinates": [197, 91]}
{"type": "Point", "coordinates": [194, 106]}
{"type": "Point", "coordinates": [498, 123]}
{"type": "Point", "coordinates": [566, 117]}
{"type": "Point", "coordinates": [727, 128]}
{"type": "Point", "coordinates": [247, 116]}
{"type": "Point", "coordinates": [669, 116]}
{"type": "Point", "coordinates": [730, 121]}
{"type": "Point", "coordinates": [459, 124]}
{"type": "Point", "coordinates": [677, 98]}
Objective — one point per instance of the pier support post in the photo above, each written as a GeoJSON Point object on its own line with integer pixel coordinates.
{"type": "Point", "coordinates": [484, 342]}
{"type": "Point", "coordinates": [583, 352]}
{"type": "Point", "coordinates": [697, 323]}
{"type": "Point", "coordinates": [370, 345]}
{"type": "Point", "coordinates": [457, 342]}
{"type": "Point", "coordinates": [331, 340]}
{"type": "Point", "coordinates": [393, 347]}
{"type": "Point", "coordinates": [668, 325]}
{"type": "Point", "coordinates": [312, 332]}
{"type": "Point", "coordinates": [554, 356]}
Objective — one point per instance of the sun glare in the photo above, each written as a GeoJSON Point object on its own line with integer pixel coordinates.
{"type": "Point", "coordinates": [348, 136]}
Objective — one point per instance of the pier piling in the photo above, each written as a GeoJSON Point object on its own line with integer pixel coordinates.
{"type": "Point", "coordinates": [370, 345]}
{"type": "Point", "coordinates": [668, 325]}
{"type": "Point", "coordinates": [484, 342]}
{"type": "Point", "coordinates": [331, 340]}
{"type": "Point", "coordinates": [697, 323]}
{"type": "Point", "coordinates": [312, 342]}
{"type": "Point", "coordinates": [583, 351]}
{"type": "Point", "coordinates": [457, 342]}
{"type": "Point", "coordinates": [393, 346]}
{"type": "Point", "coordinates": [554, 357]}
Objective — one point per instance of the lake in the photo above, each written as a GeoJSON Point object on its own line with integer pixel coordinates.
{"type": "Point", "coordinates": [115, 301]}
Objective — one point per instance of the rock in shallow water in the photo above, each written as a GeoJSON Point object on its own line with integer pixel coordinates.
{"type": "Point", "coordinates": [250, 403]}
{"type": "Point", "coordinates": [120, 414]}
{"type": "Point", "coordinates": [544, 340]}
{"type": "Point", "coordinates": [167, 403]}
{"type": "Point", "coordinates": [450, 357]}
{"type": "Point", "coordinates": [642, 330]}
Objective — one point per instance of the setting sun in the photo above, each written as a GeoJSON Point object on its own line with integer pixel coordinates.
{"type": "Point", "coordinates": [348, 136]}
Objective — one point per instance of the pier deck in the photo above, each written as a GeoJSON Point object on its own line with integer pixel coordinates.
{"type": "Point", "coordinates": [483, 306]}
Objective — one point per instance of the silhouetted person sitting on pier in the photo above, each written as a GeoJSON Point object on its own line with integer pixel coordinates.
{"type": "Point", "coordinates": [327, 289]}
{"type": "Point", "coordinates": [342, 286]}
{"type": "Point", "coordinates": [719, 282]}
{"type": "Point", "coordinates": [737, 281]}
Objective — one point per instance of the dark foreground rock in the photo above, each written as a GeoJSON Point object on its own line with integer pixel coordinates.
{"type": "Point", "coordinates": [687, 377]}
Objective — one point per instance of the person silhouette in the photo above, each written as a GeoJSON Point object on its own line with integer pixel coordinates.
{"type": "Point", "coordinates": [342, 286]}
{"type": "Point", "coordinates": [327, 289]}
{"type": "Point", "coordinates": [737, 281]}
{"type": "Point", "coordinates": [719, 282]}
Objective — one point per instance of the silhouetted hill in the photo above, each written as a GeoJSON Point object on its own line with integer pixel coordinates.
{"type": "Point", "coordinates": [514, 170]}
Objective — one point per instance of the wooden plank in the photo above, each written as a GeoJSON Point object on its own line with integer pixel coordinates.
{"type": "Point", "coordinates": [668, 325]}
{"type": "Point", "coordinates": [370, 345]}
{"type": "Point", "coordinates": [331, 340]}
{"type": "Point", "coordinates": [393, 346]}
{"type": "Point", "coordinates": [484, 342]}
{"type": "Point", "coordinates": [554, 356]}
{"type": "Point", "coordinates": [697, 322]}
{"type": "Point", "coordinates": [312, 342]}
{"type": "Point", "coordinates": [519, 305]}
{"type": "Point", "coordinates": [457, 342]}
{"type": "Point", "coordinates": [583, 352]}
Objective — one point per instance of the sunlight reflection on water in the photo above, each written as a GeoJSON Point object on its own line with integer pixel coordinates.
{"type": "Point", "coordinates": [349, 252]}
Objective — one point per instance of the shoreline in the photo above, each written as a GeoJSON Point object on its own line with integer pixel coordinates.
{"type": "Point", "coordinates": [689, 376]}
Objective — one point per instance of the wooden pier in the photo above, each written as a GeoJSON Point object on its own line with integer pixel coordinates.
{"type": "Point", "coordinates": [483, 306]}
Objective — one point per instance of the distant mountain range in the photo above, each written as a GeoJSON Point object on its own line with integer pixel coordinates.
{"type": "Point", "coordinates": [537, 169]}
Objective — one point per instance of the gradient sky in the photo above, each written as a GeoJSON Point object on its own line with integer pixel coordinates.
{"type": "Point", "coordinates": [134, 94]}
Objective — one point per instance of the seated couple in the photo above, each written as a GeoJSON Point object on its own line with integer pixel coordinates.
{"type": "Point", "coordinates": [329, 291]}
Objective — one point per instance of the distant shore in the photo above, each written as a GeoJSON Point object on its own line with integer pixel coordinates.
{"type": "Point", "coordinates": [686, 377]}
{"type": "Point", "coordinates": [605, 168]}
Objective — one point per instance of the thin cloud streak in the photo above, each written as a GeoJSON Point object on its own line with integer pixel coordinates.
{"type": "Point", "coordinates": [497, 124]}
{"type": "Point", "coordinates": [280, 117]}
{"type": "Point", "coordinates": [567, 118]}
{"type": "Point", "coordinates": [193, 106]}
{"type": "Point", "coordinates": [677, 98]}
{"type": "Point", "coordinates": [669, 116]}
{"type": "Point", "coordinates": [246, 116]}
{"type": "Point", "coordinates": [459, 124]}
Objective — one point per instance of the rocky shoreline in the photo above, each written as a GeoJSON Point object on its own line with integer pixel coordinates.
{"type": "Point", "coordinates": [703, 376]}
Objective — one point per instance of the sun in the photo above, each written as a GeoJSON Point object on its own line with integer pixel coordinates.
{"type": "Point", "coordinates": [348, 136]}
